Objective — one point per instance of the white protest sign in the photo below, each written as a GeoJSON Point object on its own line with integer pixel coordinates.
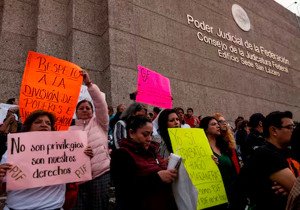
{"type": "Point", "coordinates": [3, 110]}
{"type": "Point", "coordinates": [84, 95]}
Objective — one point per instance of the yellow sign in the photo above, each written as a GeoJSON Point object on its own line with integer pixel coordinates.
{"type": "Point", "coordinates": [192, 145]}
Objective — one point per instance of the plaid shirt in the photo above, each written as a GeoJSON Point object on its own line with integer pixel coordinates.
{"type": "Point", "coordinates": [294, 197]}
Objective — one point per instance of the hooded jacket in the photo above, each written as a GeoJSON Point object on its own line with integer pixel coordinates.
{"type": "Point", "coordinates": [97, 130]}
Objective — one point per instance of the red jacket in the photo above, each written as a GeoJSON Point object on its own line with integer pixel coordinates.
{"type": "Point", "coordinates": [192, 121]}
{"type": "Point", "coordinates": [138, 185]}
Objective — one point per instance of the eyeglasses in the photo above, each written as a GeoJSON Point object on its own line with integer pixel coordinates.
{"type": "Point", "coordinates": [213, 124]}
{"type": "Point", "coordinates": [222, 122]}
{"type": "Point", "coordinates": [290, 127]}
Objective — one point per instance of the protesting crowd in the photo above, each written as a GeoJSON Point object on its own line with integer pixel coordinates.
{"type": "Point", "coordinates": [258, 158]}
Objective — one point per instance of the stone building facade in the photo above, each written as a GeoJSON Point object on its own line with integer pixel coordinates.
{"type": "Point", "coordinates": [213, 65]}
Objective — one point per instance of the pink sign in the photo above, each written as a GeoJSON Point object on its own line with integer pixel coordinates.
{"type": "Point", "coordinates": [153, 88]}
{"type": "Point", "coordinates": [45, 158]}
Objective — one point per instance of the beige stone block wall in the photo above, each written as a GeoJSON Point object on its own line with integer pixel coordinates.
{"type": "Point", "coordinates": [73, 30]}
{"type": "Point", "coordinates": [110, 38]}
{"type": "Point", "coordinates": [158, 36]}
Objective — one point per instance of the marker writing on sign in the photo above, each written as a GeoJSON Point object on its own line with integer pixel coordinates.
{"type": "Point", "coordinates": [15, 145]}
{"type": "Point", "coordinates": [16, 173]}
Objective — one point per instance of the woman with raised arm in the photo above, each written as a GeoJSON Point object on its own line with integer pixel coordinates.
{"type": "Point", "coordinates": [94, 193]}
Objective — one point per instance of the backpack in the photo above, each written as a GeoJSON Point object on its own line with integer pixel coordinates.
{"type": "Point", "coordinates": [294, 166]}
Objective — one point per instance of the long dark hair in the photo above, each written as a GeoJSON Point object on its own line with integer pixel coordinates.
{"type": "Point", "coordinates": [163, 127]}
{"type": "Point", "coordinates": [34, 115]}
{"type": "Point", "coordinates": [220, 142]}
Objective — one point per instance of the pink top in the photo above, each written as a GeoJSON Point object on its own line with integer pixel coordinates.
{"type": "Point", "coordinates": [97, 131]}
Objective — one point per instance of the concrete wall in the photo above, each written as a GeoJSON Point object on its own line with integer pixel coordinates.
{"type": "Point", "coordinates": [156, 34]}
{"type": "Point", "coordinates": [74, 30]}
{"type": "Point", "coordinates": [110, 38]}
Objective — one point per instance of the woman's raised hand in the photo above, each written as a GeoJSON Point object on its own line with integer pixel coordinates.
{"type": "Point", "coordinates": [86, 78]}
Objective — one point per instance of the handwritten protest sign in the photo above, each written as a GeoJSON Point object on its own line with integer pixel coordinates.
{"type": "Point", "coordinates": [153, 88]}
{"type": "Point", "coordinates": [47, 158]}
{"type": "Point", "coordinates": [50, 84]}
{"type": "Point", "coordinates": [192, 145]}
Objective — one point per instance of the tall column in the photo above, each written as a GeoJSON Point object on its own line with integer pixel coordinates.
{"type": "Point", "coordinates": [89, 40]}
{"type": "Point", "coordinates": [52, 32]}
{"type": "Point", "coordinates": [18, 36]}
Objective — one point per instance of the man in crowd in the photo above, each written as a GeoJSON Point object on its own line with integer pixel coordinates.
{"type": "Point", "coordinates": [237, 120]}
{"type": "Point", "coordinates": [112, 121]}
{"type": "Point", "coordinates": [255, 138]}
{"type": "Point", "coordinates": [120, 109]}
{"type": "Point", "coordinates": [180, 114]}
{"type": "Point", "coordinates": [271, 164]}
{"type": "Point", "coordinates": [190, 119]}
{"type": "Point", "coordinates": [110, 112]}
{"type": "Point", "coordinates": [156, 111]}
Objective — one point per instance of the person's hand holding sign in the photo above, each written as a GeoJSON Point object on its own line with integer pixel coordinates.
{"type": "Point", "coordinates": [89, 152]}
{"type": "Point", "coordinates": [3, 169]}
{"type": "Point", "coordinates": [86, 78]}
{"type": "Point", "coordinates": [168, 176]}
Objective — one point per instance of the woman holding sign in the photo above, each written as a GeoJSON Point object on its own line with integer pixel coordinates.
{"type": "Point", "coordinates": [167, 119]}
{"type": "Point", "coordinates": [140, 174]}
{"type": "Point", "coordinates": [223, 154]}
{"type": "Point", "coordinates": [94, 194]}
{"type": "Point", "coordinates": [183, 186]}
{"type": "Point", "coordinates": [48, 197]}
